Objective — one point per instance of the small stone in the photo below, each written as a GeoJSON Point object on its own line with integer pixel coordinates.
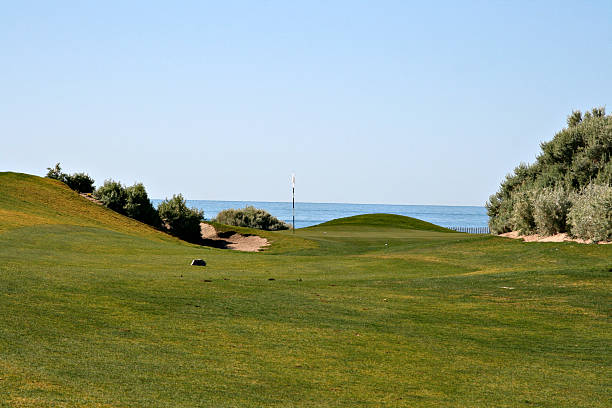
{"type": "Point", "coordinates": [198, 262]}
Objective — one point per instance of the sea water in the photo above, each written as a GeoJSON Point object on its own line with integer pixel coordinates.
{"type": "Point", "coordinates": [307, 214]}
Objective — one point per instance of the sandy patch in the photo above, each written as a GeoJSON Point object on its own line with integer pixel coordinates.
{"type": "Point", "coordinates": [235, 241]}
{"type": "Point", "coordinates": [563, 237]}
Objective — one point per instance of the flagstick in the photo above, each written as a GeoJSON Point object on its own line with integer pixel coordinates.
{"type": "Point", "coordinates": [293, 198]}
{"type": "Point", "coordinates": [294, 210]}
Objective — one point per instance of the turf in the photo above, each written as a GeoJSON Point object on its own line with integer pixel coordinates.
{"type": "Point", "coordinates": [101, 311]}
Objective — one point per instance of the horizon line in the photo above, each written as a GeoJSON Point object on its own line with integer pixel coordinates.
{"type": "Point", "coordinates": [326, 202]}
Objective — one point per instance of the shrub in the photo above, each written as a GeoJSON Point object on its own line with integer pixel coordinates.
{"type": "Point", "coordinates": [138, 206]}
{"type": "Point", "coordinates": [578, 155]}
{"type": "Point", "coordinates": [181, 221]}
{"type": "Point", "coordinates": [79, 182]}
{"type": "Point", "coordinates": [55, 172]}
{"type": "Point", "coordinates": [522, 213]}
{"type": "Point", "coordinates": [500, 220]}
{"type": "Point", "coordinates": [250, 217]}
{"type": "Point", "coordinates": [113, 195]}
{"type": "Point", "coordinates": [591, 214]}
{"type": "Point", "coordinates": [550, 207]}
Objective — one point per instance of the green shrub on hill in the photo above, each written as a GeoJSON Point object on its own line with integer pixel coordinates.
{"type": "Point", "coordinates": [250, 217]}
{"type": "Point", "coordinates": [79, 182]}
{"type": "Point", "coordinates": [536, 197]}
{"type": "Point", "coordinates": [55, 172]}
{"type": "Point", "coordinates": [138, 206]}
{"type": "Point", "coordinates": [132, 201]}
{"type": "Point", "coordinates": [113, 195]}
{"type": "Point", "coordinates": [180, 220]}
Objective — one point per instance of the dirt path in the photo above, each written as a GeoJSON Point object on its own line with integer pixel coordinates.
{"type": "Point", "coordinates": [232, 240]}
{"type": "Point", "coordinates": [91, 198]}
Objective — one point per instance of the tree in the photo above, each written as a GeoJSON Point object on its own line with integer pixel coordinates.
{"type": "Point", "coordinates": [138, 206]}
{"type": "Point", "coordinates": [599, 112]}
{"type": "Point", "coordinates": [79, 182]}
{"type": "Point", "coordinates": [55, 172]}
{"type": "Point", "coordinates": [113, 195]}
{"type": "Point", "coordinates": [574, 118]}
{"type": "Point", "coordinates": [180, 220]}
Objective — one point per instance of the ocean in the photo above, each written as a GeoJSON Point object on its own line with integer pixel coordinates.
{"type": "Point", "coordinates": [307, 214]}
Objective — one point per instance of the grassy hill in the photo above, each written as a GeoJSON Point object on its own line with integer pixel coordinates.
{"type": "Point", "coordinates": [378, 310]}
{"type": "Point", "coordinates": [383, 221]}
{"type": "Point", "coordinates": [27, 200]}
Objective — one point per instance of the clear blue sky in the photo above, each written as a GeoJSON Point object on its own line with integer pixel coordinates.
{"type": "Point", "coordinates": [369, 102]}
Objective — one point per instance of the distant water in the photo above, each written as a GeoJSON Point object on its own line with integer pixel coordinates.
{"type": "Point", "coordinates": [307, 214]}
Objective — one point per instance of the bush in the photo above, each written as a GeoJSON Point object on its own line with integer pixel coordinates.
{"type": "Point", "coordinates": [113, 195]}
{"type": "Point", "coordinates": [591, 215]}
{"type": "Point", "coordinates": [79, 182]}
{"type": "Point", "coordinates": [578, 155]}
{"type": "Point", "coordinates": [55, 172]}
{"type": "Point", "coordinates": [522, 213]}
{"type": "Point", "coordinates": [500, 220]}
{"type": "Point", "coordinates": [250, 217]}
{"type": "Point", "coordinates": [138, 206]}
{"type": "Point", "coordinates": [181, 221]}
{"type": "Point", "coordinates": [550, 208]}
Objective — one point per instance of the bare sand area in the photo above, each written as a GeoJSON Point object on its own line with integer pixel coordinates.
{"type": "Point", "coordinates": [563, 237]}
{"type": "Point", "coordinates": [232, 240]}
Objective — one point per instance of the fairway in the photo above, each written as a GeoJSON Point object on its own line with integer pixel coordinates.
{"type": "Point", "coordinates": [98, 310]}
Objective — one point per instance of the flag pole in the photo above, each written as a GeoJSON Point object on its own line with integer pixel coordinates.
{"type": "Point", "coordinates": [293, 199]}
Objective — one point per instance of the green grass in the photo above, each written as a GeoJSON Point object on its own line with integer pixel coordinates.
{"type": "Point", "coordinates": [101, 311]}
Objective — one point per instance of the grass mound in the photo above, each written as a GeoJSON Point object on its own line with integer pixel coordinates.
{"type": "Point", "coordinates": [384, 220]}
{"type": "Point", "coordinates": [27, 200]}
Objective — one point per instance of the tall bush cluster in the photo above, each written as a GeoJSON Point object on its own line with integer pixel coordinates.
{"type": "Point", "coordinates": [567, 189]}
{"type": "Point", "coordinates": [251, 217]}
{"type": "Point", "coordinates": [133, 201]}
{"type": "Point", "coordinates": [591, 214]}
{"type": "Point", "coordinates": [172, 214]}
{"type": "Point", "coordinates": [79, 182]}
{"type": "Point", "coordinates": [182, 221]}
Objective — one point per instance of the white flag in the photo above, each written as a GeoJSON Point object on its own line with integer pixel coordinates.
{"type": "Point", "coordinates": [293, 180]}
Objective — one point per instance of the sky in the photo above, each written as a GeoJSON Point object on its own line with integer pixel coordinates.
{"type": "Point", "coordinates": [394, 102]}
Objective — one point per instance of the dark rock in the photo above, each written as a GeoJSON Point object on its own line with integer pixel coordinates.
{"type": "Point", "coordinates": [198, 262]}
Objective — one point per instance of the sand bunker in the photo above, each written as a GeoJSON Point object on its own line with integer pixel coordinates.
{"type": "Point", "coordinates": [210, 236]}
{"type": "Point", "coordinates": [552, 238]}
{"type": "Point", "coordinates": [232, 240]}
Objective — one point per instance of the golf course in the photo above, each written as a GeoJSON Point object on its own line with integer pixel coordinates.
{"type": "Point", "coordinates": [100, 310]}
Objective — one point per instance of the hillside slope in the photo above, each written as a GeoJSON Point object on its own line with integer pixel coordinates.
{"type": "Point", "coordinates": [27, 200]}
